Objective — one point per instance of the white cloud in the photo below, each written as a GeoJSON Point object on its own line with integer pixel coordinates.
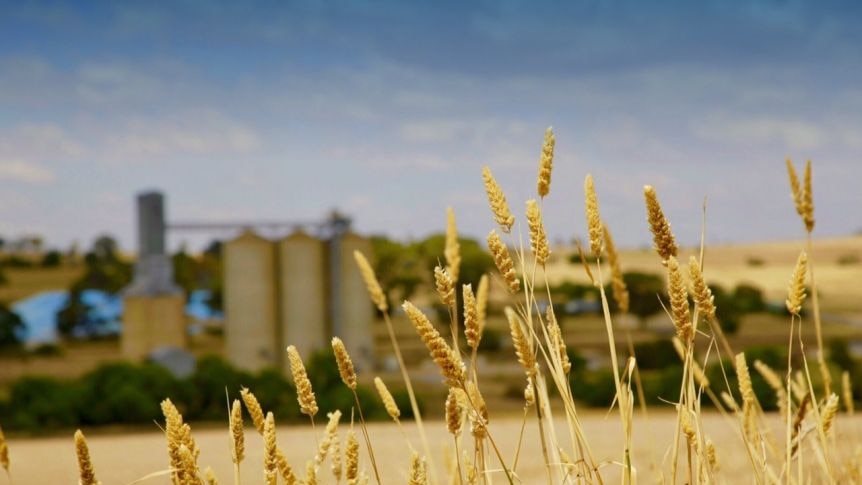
{"type": "Point", "coordinates": [791, 133]}
{"type": "Point", "coordinates": [20, 171]}
{"type": "Point", "coordinates": [35, 141]}
{"type": "Point", "coordinates": [194, 134]}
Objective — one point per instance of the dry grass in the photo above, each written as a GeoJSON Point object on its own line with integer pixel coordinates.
{"type": "Point", "coordinates": [111, 453]}
{"type": "Point", "coordinates": [24, 282]}
{"type": "Point", "coordinates": [766, 265]}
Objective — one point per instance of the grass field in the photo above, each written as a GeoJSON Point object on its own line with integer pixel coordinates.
{"type": "Point", "coordinates": [24, 282]}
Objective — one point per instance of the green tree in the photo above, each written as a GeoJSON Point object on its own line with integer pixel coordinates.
{"type": "Point", "coordinates": [728, 311]}
{"type": "Point", "coordinates": [749, 298]}
{"type": "Point", "coordinates": [52, 259]}
{"type": "Point", "coordinates": [186, 271]}
{"type": "Point", "coordinates": [11, 327]}
{"type": "Point", "coordinates": [644, 291]}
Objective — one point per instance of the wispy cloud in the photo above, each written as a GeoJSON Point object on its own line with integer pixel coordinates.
{"type": "Point", "coordinates": [793, 134]}
{"type": "Point", "coordinates": [190, 134]}
{"type": "Point", "coordinates": [28, 173]}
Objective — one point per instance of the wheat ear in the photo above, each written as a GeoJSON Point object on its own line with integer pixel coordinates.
{"type": "Point", "coordinates": [270, 454]}
{"type": "Point", "coordinates": [503, 261]}
{"type": "Point", "coordinates": [445, 287]}
{"type": "Point", "coordinates": [304, 393]}
{"type": "Point", "coordinates": [807, 199]}
{"type": "Point", "coordinates": [546, 164]}
{"type": "Point", "coordinates": [678, 301]}
{"type": "Point", "coordinates": [252, 405]}
{"type": "Point", "coordinates": [4, 452]}
{"type": "Point", "coordinates": [388, 401]}
{"type": "Point", "coordinates": [618, 284]}
{"type": "Point", "coordinates": [703, 297]}
{"type": "Point", "coordinates": [796, 289]}
{"type": "Point", "coordinates": [497, 200]}
{"type": "Point", "coordinates": [594, 220]}
{"type": "Point", "coordinates": [351, 454]}
{"type": "Point", "coordinates": [471, 317]}
{"type": "Point", "coordinates": [418, 471]}
{"type": "Point", "coordinates": [538, 237]}
{"type": "Point", "coordinates": [452, 250]}
{"type": "Point", "coordinates": [236, 433]}
{"type": "Point", "coordinates": [371, 283]}
{"type": "Point", "coordinates": [86, 473]}
{"type": "Point", "coordinates": [482, 303]}
{"type": "Point", "coordinates": [450, 365]}
{"type": "Point", "coordinates": [847, 391]}
{"type": "Point", "coordinates": [523, 349]}
{"type": "Point", "coordinates": [454, 415]}
{"type": "Point", "coordinates": [345, 365]}
{"type": "Point", "coordinates": [663, 240]}
{"type": "Point", "coordinates": [329, 435]}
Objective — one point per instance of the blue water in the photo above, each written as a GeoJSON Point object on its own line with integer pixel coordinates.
{"type": "Point", "coordinates": [39, 313]}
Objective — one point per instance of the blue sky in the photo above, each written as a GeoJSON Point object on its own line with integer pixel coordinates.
{"type": "Point", "coordinates": [388, 110]}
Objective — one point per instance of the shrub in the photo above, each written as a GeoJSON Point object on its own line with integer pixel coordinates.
{"type": "Point", "coordinates": [848, 259]}
{"type": "Point", "coordinates": [657, 354]}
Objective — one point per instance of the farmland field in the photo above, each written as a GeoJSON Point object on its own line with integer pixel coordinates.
{"type": "Point", "coordinates": [122, 458]}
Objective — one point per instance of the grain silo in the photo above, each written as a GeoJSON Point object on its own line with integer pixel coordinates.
{"type": "Point", "coordinates": [352, 310]}
{"type": "Point", "coordinates": [251, 329]}
{"type": "Point", "coordinates": [302, 293]}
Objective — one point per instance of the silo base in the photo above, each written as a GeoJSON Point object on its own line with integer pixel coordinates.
{"type": "Point", "coordinates": [150, 322]}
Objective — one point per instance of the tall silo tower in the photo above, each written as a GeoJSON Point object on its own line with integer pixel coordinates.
{"type": "Point", "coordinates": [153, 305]}
{"type": "Point", "coordinates": [302, 293]}
{"type": "Point", "coordinates": [352, 310]}
{"type": "Point", "coordinates": [251, 329]}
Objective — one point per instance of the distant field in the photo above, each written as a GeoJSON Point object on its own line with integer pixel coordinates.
{"type": "Point", "coordinates": [24, 282]}
{"type": "Point", "coordinates": [837, 262]}
{"type": "Point", "coordinates": [125, 457]}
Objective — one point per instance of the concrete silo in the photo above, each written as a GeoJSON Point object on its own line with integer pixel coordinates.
{"type": "Point", "coordinates": [153, 305]}
{"type": "Point", "coordinates": [352, 312]}
{"type": "Point", "coordinates": [302, 293]}
{"type": "Point", "coordinates": [251, 329]}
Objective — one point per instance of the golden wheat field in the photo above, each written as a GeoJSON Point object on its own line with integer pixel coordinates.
{"type": "Point", "coordinates": [125, 458]}
{"type": "Point", "coordinates": [813, 438]}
